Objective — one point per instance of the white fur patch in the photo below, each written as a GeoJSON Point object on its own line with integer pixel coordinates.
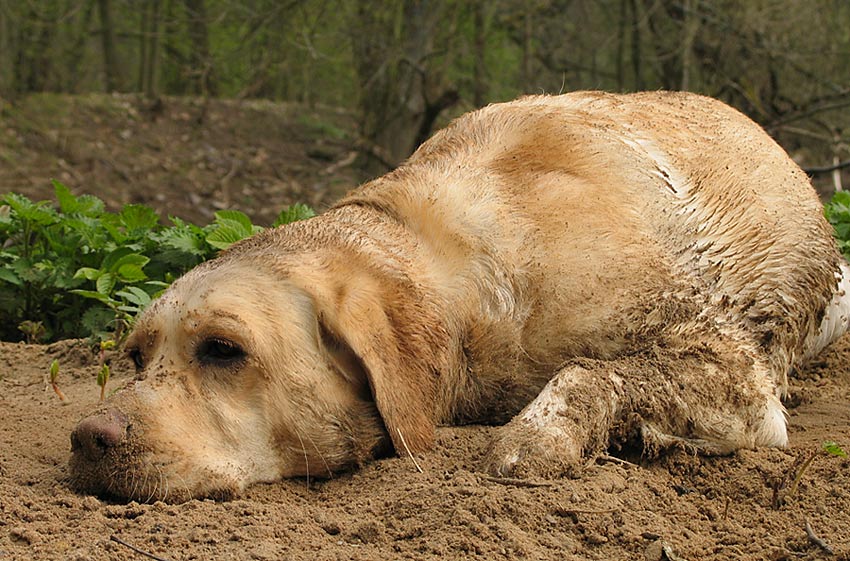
{"type": "Point", "coordinates": [773, 431]}
{"type": "Point", "coordinates": [836, 320]}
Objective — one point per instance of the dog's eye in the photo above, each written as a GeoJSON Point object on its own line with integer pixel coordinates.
{"type": "Point", "coordinates": [136, 356]}
{"type": "Point", "coordinates": [220, 351]}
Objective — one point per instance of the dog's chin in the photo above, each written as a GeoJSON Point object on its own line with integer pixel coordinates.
{"type": "Point", "coordinates": [143, 481]}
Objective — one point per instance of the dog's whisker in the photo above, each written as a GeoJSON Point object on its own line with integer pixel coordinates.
{"type": "Point", "coordinates": [321, 456]}
{"type": "Point", "coordinates": [306, 461]}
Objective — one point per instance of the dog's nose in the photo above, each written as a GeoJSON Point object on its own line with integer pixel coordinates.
{"type": "Point", "coordinates": [95, 435]}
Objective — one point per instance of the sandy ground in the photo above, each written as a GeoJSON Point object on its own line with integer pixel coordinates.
{"type": "Point", "coordinates": [678, 507]}
{"type": "Point", "coordinates": [190, 159]}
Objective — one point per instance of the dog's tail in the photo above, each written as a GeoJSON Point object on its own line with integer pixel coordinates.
{"type": "Point", "coordinates": [836, 319]}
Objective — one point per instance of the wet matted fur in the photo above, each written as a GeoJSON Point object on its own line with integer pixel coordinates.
{"type": "Point", "coordinates": [585, 268]}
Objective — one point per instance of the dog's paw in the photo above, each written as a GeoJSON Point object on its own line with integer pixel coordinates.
{"type": "Point", "coordinates": [521, 450]}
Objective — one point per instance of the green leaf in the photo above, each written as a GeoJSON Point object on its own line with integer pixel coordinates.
{"type": "Point", "coordinates": [9, 276]}
{"type": "Point", "coordinates": [105, 283]}
{"type": "Point", "coordinates": [834, 449]}
{"type": "Point", "coordinates": [103, 375]}
{"type": "Point", "coordinates": [26, 210]}
{"type": "Point", "coordinates": [130, 272]}
{"type": "Point", "coordinates": [223, 237]}
{"type": "Point", "coordinates": [138, 220]}
{"type": "Point", "coordinates": [229, 227]}
{"type": "Point", "coordinates": [135, 295]}
{"type": "Point", "coordinates": [111, 261]}
{"type": "Point", "coordinates": [293, 213]}
{"type": "Point", "coordinates": [96, 318]}
{"type": "Point", "coordinates": [84, 205]}
{"type": "Point", "coordinates": [129, 259]}
{"type": "Point", "coordinates": [92, 294]}
{"type": "Point", "coordinates": [87, 273]}
{"type": "Point", "coordinates": [183, 239]}
{"type": "Point", "coordinates": [67, 201]}
{"type": "Point", "coordinates": [235, 216]}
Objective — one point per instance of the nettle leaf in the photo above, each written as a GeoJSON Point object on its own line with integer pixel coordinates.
{"type": "Point", "coordinates": [225, 236]}
{"type": "Point", "coordinates": [293, 213]}
{"type": "Point", "coordinates": [29, 270]}
{"type": "Point", "coordinates": [67, 201]}
{"type": "Point", "coordinates": [96, 318]}
{"type": "Point", "coordinates": [236, 216]}
{"type": "Point", "coordinates": [138, 220]}
{"type": "Point", "coordinates": [85, 205]}
{"type": "Point", "coordinates": [230, 226]}
{"type": "Point", "coordinates": [185, 238]}
{"type": "Point", "coordinates": [37, 213]}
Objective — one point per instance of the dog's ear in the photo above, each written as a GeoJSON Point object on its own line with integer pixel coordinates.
{"type": "Point", "coordinates": [371, 334]}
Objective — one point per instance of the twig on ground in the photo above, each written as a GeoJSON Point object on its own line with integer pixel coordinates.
{"type": "Point", "coordinates": [816, 540]}
{"type": "Point", "coordinates": [406, 449]}
{"type": "Point", "coordinates": [116, 539]}
{"type": "Point", "coordinates": [516, 482]}
{"type": "Point", "coordinates": [615, 460]}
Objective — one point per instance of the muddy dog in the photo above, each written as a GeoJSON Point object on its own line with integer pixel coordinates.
{"type": "Point", "coordinates": [586, 268]}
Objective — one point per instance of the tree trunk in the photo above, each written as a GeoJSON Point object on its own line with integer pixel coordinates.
{"type": "Point", "coordinates": [691, 26]}
{"type": "Point", "coordinates": [203, 76]}
{"type": "Point", "coordinates": [78, 49]}
{"type": "Point", "coordinates": [149, 48]}
{"type": "Point", "coordinates": [479, 68]}
{"type": "Point", "coordinates": [144, 55]}
{"type": "Point", "coordinates": [621, 45]}
{"type": "Point", "coordinates": [636, 46]}
{"type": "Point", "coordinates": [392, 45]}
{"type": "Point", "coordinates": [153, 51]}
{"type": "Point", "coordinates": [7, 50]}
{"type": "Point", "coordinates": [111, 70]}
{"type": "Point", "coordinates": [527, 49]}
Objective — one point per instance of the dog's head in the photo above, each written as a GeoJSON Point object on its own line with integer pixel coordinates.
{"type": "Point", "coordinates": [250, 371]}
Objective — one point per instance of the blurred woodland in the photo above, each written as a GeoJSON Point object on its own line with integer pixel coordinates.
{"type": "Point", "coordinates": [402, 67]}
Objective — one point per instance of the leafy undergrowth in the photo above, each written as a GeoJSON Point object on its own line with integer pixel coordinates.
{"type": "Point", "coordinates": [838, 213]}
{"type": "Point", "coordinates": [73, 269]}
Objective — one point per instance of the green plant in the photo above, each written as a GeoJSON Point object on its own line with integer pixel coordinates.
{"type": "Point", "coordinates": [828, 448]}
{"type": "Point", "coordinates": [837, 212]}
{"type": "Point", "coordinates": [54, 379]}
{"type": "Point", "coordinates": [102, 379]}
{"type": "Point", "coordinates": [73, 269]}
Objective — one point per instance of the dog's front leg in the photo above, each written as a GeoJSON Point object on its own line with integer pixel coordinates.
{"type": "Point", "coordinates": [571, 417]}
{"type": "Point", "coordinates": [710, 398]}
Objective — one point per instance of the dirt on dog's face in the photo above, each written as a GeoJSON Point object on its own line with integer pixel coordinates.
{"type": "Point", "coordinates": [236, 383]}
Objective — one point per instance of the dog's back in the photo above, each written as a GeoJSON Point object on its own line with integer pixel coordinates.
{"type": "Point", "coordinates": [575, 212]}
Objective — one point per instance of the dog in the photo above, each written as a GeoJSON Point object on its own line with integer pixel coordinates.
{"type": "Point", "coordinates": [583, 269]}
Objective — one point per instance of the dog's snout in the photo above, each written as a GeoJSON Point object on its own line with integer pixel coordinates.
{"type": "Point", "coordinates": [95, 435]}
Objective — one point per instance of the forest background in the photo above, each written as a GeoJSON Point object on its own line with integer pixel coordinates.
{"type": "Point", "coordinates": [402, 67]}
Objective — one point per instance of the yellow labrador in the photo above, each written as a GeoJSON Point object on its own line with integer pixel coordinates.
{"type": "Point", "coordinates": [587, 267]}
